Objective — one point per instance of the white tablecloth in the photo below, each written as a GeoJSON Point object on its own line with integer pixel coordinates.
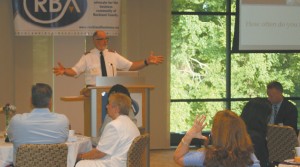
{"type": "Point", "coordinates": [6, 153]}
{"type": "Point", "coordinates": [81, 145]}
{"type": "Point", "coordinates": [289, 163]}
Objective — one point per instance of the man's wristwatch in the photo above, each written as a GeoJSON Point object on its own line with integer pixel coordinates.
{"type": "Point", "coordinates": [145, 62]}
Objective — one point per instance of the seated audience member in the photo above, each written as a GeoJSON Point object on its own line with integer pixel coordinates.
{"type": "Point", "coordinates": [40, 126]}
{"type": "Point", "coordinates": [283, 111]}
{"type": "Point", "coordinates": [231, 145]}
{"type": "Point", "coordinates": [115, 89]}
{"type": "Point", "coordinates": [255, 115]}
{"type": "Point", "coordinates": [117, 136]}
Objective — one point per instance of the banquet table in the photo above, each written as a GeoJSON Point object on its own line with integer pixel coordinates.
{"type": "Point", "coordinates": [76, 145]}
{"type": "Point", "coordinates": [288, 165]}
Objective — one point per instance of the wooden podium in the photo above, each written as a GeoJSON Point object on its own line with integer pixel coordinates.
{"type": "Point", "coordinates": [93, 104]}
{"type": "Point", "coordinates": [93, 107]}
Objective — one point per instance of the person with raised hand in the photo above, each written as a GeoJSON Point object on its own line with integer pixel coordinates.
{"type": "Point", "coordinates": [231, 145]}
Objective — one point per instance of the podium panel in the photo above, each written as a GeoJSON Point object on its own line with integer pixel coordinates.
{"type": "Point", "coordinates": [93, 107]}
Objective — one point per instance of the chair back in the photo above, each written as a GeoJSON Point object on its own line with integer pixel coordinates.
{"type": "Point", "coordinates": [42, 155]}
{"type": "Point", "coordinates": [281, 141]}
{"type": "Point", "coordinates": [136, 150]}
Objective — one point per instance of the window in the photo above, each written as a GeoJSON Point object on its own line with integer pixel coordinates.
{"type": "Point", "coordinates": [206, 76]}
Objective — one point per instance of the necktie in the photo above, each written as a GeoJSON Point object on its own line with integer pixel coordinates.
{"type": "Point", "coordinates": [274, 113]}
{"type": "Point", "coordinates": [103, 67]}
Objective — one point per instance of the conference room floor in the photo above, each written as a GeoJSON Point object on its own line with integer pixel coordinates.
{"type": "Point", "coordinates": [162, 158]}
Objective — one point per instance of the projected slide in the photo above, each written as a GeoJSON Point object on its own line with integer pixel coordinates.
{"type": "Point", "coordinates": [269, 25]}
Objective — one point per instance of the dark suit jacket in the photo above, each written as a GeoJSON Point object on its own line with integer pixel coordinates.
{"type": "Point", "coordinates": [260, 147]}
{"type": "Point", "coordinates": [255, 115]}
{"type": "Point", "coordinates": [287, 115]}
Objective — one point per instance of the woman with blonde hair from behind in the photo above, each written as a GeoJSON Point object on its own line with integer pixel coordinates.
{"type": "Point", "coordinates": [231, 145]}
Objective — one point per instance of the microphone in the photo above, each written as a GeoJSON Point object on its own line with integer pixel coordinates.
{"type": "Point", "coordinates": [112, 67]}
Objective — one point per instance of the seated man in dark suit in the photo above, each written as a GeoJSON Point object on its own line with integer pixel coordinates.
{"type": "Point", "coordinates": [283, 111]}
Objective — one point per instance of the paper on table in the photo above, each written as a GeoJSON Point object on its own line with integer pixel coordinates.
{"type": "Point", "coordinates": [292, 161]}
{"type": "Point", "coordinates": [72, 139]}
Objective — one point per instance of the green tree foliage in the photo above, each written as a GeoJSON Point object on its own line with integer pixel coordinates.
{"type": "Point", "coordinates": [196, 45]}
{"type": "Point", "coordinates": [199, 5]}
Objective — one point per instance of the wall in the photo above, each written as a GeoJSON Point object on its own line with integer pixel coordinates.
{"type": "Point", "coordinates": [6, 57]}
{"type": "Point", "coordinates": [145, 27]}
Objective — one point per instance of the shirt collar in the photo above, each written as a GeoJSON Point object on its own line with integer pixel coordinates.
{"type": "Point", "coordinates": [40, 110]}
{"type": "Point", "coordinates": [278, 104]}
{"type": "Point", "coordinates": [98, 51]}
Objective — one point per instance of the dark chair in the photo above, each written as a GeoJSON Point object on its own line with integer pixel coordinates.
{"type": "Point", "coordinates": [42, 155]}
{"type": "Point", "coordinates": [281, 141]}
{"type": "Point", "coordinates": [136, 150]}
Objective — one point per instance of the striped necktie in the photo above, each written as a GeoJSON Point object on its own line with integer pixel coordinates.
{"type": "Point", "coordinates": [274, 114]}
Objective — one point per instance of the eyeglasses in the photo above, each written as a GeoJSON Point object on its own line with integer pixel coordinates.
{"type": "Point", "coordinates": [102, 39]}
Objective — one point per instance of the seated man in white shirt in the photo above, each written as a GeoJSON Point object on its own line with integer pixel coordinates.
{"type": "Point", "coordinates": [40, 126]}
{"type": "Point", "coordinates": [117, 136]}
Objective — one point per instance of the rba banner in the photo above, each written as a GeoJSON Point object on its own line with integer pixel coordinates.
{"type": "Point", "coordinates": [66, 17]}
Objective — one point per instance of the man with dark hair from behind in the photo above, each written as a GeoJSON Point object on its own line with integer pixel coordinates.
{"type": "Point", "coordinates": [40, 126]}
{"type": "Point", "coordinates": [283, 111]}
{"type": "Point", "coordinates": [255, 115]}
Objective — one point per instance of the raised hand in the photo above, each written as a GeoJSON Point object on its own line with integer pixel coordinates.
{"type": "Point", "coordinates": [196, 130]}
{"type": "Point", "coordinates": [59, 70]}
{"type": "Point", "coordinates": [152, 59]}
